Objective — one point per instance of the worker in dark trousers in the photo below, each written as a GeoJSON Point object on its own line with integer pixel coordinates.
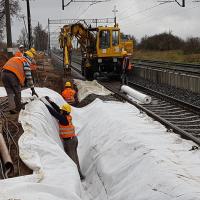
{"type": "Point", "coordinates": [126, 67]}
{"type": "Point", "coordinates": [67, 130]}
{"type": "Point", "coordinates": [14, 73]}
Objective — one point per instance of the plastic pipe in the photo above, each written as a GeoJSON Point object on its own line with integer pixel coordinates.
{"type": "Point", "coordinates": [145, 99]}
{"type": "Point", "coordinates": [4, 153]}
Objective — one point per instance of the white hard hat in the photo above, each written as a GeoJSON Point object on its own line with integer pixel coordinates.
{"type": "Point", "coordinates": [21, 46]}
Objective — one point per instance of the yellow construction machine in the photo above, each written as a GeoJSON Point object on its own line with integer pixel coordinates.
{"type": "Point", "coordinates": [101, 48]}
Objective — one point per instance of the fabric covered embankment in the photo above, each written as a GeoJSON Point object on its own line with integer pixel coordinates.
{"type": "Point", "coordinates": [85, 88]}
{"type": "Point", "coordinates": [126, 155]}
{"type": "Point", "coordinates": [123, 153]}
{"type": "Point", "coordinates": [55, 175]}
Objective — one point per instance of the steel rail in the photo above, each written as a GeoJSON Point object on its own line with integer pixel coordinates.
{"type": "Point", "coordinates": [179, 102]}
{"type": "Point", "coordinates": [172, 66]}
{"type": "Point", "coordinates": [61, 60]}
{"type": "Point", "coordinates": [155, 116]}
{"type": "Point", "coordinates": [168, 63]}
{"type": "Point", "coordinates": [163, 121]}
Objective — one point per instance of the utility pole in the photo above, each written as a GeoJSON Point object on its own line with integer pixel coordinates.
{"type": "Point", "coordinates": [8, 29]}
{"type": "Point", "coordinates": [115, 14]}
{"type": "Point", "coordinates": [29, 24]}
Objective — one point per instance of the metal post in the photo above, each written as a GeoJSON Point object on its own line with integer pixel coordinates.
{"type": "Point", "coordinates": [49, 38]}
{"type": "Point", "coordinates": [96, 23]}
{"type": "Point", "coordinates": [183, 3]}
{"type": "Point", "coordinates": [115, 14]}
{"type": "Point", "coordinates": [63, 6]}
{"type": "Point", "coordinates": [29, 24]}
{"type": "Point", "coordinates": [8, 29]}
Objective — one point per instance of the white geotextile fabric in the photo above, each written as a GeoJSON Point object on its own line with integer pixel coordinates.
{"type": "Point", "coordinates": [86, 88]}
{"type": "Point", "coordinates": [2, 92]}
{"type": "Point", "coordinates": [55, 175]}
{"type": "Point", "coordinates": [143, 98]}
{"type": "Point", "coordinates": [42, 92]}
{"type": "Point", "coordinates": [126, 155]}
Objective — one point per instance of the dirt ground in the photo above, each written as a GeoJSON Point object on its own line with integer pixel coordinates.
{"type": "Point", "coordinates": [46, 76]}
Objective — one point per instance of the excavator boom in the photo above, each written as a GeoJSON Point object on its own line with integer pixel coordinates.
{"type": "Point", "coordinates": [101, 48]}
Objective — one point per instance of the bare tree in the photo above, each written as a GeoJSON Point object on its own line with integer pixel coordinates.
{"type": "Point", "coordinates": [192, 45]}
{"type": "Point", "coordinates": [14, 11]}
{"type": "Point", "coordinates": [23, 39]}
{"type": "Point", "coordinates": [40, 38]}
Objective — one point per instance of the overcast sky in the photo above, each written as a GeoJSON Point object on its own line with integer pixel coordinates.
{"type": "Point", "coordinates": [136, 17]}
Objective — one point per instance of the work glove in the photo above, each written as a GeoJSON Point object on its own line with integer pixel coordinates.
{"type": "Point", "coordinates": [33, 92]}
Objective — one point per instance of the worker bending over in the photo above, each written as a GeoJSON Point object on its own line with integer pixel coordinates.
{"type": "Point", "coordinates": [14, 73]}
{"type": "Point", "coordinates": [126, 67]}
{"type": "Point", "coordinates": [67, 130]}
{"type": "Point", "coordinates": [68, 93]}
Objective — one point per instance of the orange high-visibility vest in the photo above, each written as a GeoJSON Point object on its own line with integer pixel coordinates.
{"type": "Point", "coordinates": [68, 95]}
{"type": "Point", "coordinates": [18, 54]}
{"type": "Point", "coordinates": [15, 65]}
{"type": "Point", "coordinates": [67, 131]}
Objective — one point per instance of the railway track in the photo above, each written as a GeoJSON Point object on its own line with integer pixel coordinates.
{"type": "Point", "coordinates": [178, 116]}
{"type": "Point", "coordinates": [173, 66]}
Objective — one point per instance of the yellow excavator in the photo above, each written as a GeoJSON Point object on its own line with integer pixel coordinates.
{"type": "Point", "coordinates": [101, 48]}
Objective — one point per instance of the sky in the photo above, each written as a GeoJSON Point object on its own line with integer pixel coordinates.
{"type": "Point", "coordinates": [135, 17]}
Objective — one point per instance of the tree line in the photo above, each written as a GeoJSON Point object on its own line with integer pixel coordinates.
{"type": "Point", "coordinates": [159, 42]}
{"type": "Point", "coordinates": [168, 41]}
{"type": "Point", "coordinates": [40, 36]}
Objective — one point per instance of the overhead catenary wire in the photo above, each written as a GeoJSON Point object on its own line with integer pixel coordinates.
{"type": "Point", "coordinates": [142, 11]}
{"type": "Point", "coordinates": [149, 18]}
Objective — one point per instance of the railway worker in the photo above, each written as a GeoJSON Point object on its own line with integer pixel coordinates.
{"type": "Point", "coordinates": [33, 51]}
{"type": "Point", "coordinates": [68, 93]}
{"type": "Point", "coordinates": [33, 66]}
{"type": "Point", "coordinates": [15, 73]}
{"type": "Point", "coordinates": [126, 67]}
{"type": "Point", "coordinates": [20, 53]}
{"type": "Point", "coordinates": [67, 130]}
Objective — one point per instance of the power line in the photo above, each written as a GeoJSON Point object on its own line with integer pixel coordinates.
{"type": "Point", "coordinates": [142, 11]}
{"type": "Point", "coordinates": [149, 18]}
{"type": "Point", "coordinates": [82, 1]}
